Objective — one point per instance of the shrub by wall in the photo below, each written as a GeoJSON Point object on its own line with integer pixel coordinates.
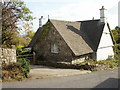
{"type": "Point", "coordinates": [16, 71]}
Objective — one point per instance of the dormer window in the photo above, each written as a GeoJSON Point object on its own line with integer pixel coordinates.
{"type": "Point", "coordinates": [54, 48]}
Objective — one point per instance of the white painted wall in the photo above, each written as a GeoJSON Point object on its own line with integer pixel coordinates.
{"type": "Point", "coordinates": [104, 53]}
{"type": "Point", "coordinates": [105, 46]}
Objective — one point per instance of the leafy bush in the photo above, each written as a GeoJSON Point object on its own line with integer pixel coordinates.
{"type": "Point", "coordinates": [20, 51]}
{"type": "Point", "coordinates": [117, 49]}
{"type": "Point", "coordinates": [25, 65]}
{"type": "Point", "coordinates": [116, 37]}
{"type": "Point", "coordinates": [16, 71]}
{"type": "Point", "coordinates": [103, 64]}
{"type": "Point", "coordinates": [111, 63]}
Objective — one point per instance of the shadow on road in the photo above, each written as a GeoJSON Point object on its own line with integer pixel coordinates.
{"type": "Point", "coordinates": [109, 83]}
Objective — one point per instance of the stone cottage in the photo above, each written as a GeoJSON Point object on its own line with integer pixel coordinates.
{"type": "Point", "coordinates": [67, 41]}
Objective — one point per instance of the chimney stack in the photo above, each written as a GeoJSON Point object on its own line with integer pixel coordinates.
{"type": "Point", "coordinates": [40, 21]}
{"type": "Point", "coordinates": [102, 14]}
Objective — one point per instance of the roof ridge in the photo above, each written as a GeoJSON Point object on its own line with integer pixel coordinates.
{"type": "Point", "coordinates": [61, 20]}
{"type": "Point", "coordinates": [73, 21]}
{"type": "Point", "coordinates": [88, 20]}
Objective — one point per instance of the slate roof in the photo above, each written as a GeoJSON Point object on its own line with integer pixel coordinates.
{"type": "Point", "coordinates": [70, 31]}
{"type": "Point", "coordinates": [82, 37]}
{"type": "Point", "coordinates": [93, 29]}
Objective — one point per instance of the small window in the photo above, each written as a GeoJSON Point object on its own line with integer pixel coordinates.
{"type": "Point", "coordinates": [110, 56]}
{"type": "Point", "coordinates": [54, 48]}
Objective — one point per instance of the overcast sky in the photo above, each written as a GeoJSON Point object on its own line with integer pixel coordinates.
{"type": "Point", "coordinates": [73, 10]}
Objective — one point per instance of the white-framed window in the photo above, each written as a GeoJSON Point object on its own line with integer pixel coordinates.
{"type": "Point", "coordinates": [54, 48]}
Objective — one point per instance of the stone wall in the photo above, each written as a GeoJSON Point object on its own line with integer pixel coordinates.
{"type": "Point", "coordinates": [7, 55]}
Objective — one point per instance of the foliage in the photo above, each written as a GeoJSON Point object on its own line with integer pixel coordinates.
{"type": "Point", "coordinates": [12, 71]}
{"type": "Point", "coordinates": [20, 50]}
{"type": "Point", "coordinates": [45, 30]}
{"type": "Point", "coordinates": [25, 65]}
{"type": "Point", "coordinates": [12, 14]}
{"type": "Point", "coordinates": [116, 36]}
{"type": "Point", "coordinates": [29, 34]}
{"type": "Point", "coordinates": [117, 28]}
{"type": "Point", "coordinates": [16, 71]}
{"type": "Point", "coordinates": [109, 63]}
{"type": "Point", "coordinates": [28, 31]}
{"type": "Point", "coordinates": [11, 66]}
{"type": "Point", "coordinates": [117, 48]}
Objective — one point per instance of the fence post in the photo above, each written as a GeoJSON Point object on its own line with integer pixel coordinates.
{"type": "Point", "coordinates": [33, 57]}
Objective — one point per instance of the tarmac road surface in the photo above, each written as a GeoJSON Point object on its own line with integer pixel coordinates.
{"type": "Point", "coordinates": [98, 79]}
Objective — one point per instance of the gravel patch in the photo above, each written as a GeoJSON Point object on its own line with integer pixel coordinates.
{"type": "Point", "coordinates": [40, 72]}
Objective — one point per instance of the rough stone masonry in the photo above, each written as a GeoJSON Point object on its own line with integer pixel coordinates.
{"type": "Point", "coordinates": [7, 55]}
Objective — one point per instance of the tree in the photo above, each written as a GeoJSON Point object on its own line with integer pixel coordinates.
{"type": "Point", "coordinates": [13, 13]}
{"type": "Point", "coordinates": [116, 37]}
{"type": "Point", "coordinates": [117, 28]}
{"type": "Point", "coordinates": [28, 31]}
{"type": "Point", "coordinates": [30, 34]}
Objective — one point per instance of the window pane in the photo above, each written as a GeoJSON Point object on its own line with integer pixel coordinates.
{"type": "Point", "coordinates": [54, 48]}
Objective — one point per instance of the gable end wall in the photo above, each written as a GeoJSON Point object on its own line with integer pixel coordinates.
{"type": "Point", "coordinates": [105, 48]}
{"type": "Point", "coordinates": [43, 47]}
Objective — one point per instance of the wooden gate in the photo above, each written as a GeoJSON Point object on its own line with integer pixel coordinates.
{"type": "Point", "coordinates": [30, 57]}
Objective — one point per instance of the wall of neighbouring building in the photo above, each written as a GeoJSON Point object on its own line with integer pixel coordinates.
{"type": "Point", "coordinates": [7, 55]}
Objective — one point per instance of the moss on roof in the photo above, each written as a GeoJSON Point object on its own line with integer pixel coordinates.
{"type": "Point", "coordinates": [45, 29]}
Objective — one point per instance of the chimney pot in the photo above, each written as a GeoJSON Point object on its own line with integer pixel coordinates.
{"type": "Point", "coordinates": [102, 14]}
{"type": "Point", "coordinates": [102, 7]}
{"type": "Point", "coordinates": [40, 21]}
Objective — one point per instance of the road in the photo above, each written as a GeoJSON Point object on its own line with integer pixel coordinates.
{"type": "Point", "coordinates": [98, 79]}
